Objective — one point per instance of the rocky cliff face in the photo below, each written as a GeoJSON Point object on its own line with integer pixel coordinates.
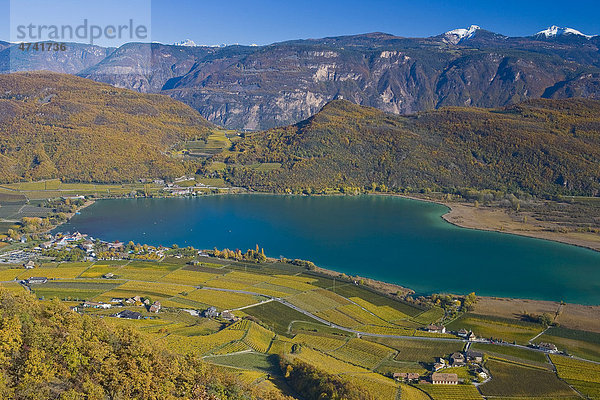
{"type": "Point", "coordinates": [261, 87]}
{"type": "Point", "coordinates": [72, 60]}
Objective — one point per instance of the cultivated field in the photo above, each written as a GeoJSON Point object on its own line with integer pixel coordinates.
{"type": "Point", "coordinates": [269, 328]}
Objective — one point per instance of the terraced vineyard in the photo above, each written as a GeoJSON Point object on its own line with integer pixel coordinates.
{"type": "Point", "coordinates": [419, 350]}
{"type": "Point", "coordinates": [408, 392]}
{"type": "Point", "coordinates": [270, 328]}
{"type": "Point", "coordinates": [495, 327]}
{"type": "Point", "coordinates": [517, 380]}
{"type": "Point", "coordinates": [201, 345]}
{"type": "Point", "coordinates": [451, 392]}
{"type": "Point", "coordinates": [258, 338]}
{"type": "Point", "coordinates": [572, 369]}
{"type": "Point", "coordinates": [362, 353]}
{"type": "Point", "coordinates": [319, 342]}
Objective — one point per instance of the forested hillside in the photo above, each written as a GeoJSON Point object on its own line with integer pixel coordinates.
{"type": "Point", "coordinates": [61, 126]}
{"type": "Point", "coordinates": [50, 352]}
{"type": "Point", "coordinates": [543, 147]}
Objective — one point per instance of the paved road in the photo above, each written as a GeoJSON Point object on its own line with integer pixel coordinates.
{"type": "Point", "coordinates": [361, 333]}
{"type": "Point", "coordinates": [342, 328]}
{"type": "Point", "coordinates": [330, 324]}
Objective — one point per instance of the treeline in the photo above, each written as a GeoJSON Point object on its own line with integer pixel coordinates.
{"type": "Point", "coordinates": [309, 265]}
{"type": "Point", "coordinates": [253, 255]}
{"type": "Point", "coordinates": [50, 352]}
{"type": "Point", "coordinates": [316, 384]}
{"type": "Point", "coordinates": [543, 147]}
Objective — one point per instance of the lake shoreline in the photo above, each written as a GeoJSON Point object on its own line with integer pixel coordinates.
{"type": "Point", "coordinates": [382, 283]}
{"type": "Point", "coordinates": [463, 215]}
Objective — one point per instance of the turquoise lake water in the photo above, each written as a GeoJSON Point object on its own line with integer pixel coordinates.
{"type": "Point", "coordinates": [388, 238]}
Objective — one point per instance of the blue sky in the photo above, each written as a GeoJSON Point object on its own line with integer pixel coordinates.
{"type": "Point", "coordinates": [268, 21]}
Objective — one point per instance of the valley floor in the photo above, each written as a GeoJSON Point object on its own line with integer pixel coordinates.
{"type": "Point", "coordinates": [275, 310]}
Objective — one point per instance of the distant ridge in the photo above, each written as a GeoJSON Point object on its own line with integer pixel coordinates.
{"type": "Point", "coordinates": [555, 31]}
{"type": "Point", "coordinates": [540, 147]}
{"type": "Point", "coordinates": [260, 87]}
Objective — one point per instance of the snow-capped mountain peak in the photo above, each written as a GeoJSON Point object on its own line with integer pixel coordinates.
{"type": "Point", "coordinates": [555, 31]}
{"type": "Point", "coordinates": [456, 35]}
{"type": "Point", "coordinates": [186, 42]}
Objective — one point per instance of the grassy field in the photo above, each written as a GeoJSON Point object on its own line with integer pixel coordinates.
{"type": "Point", "coordinates": [451, 392]}
{"type": "Point", "coordinates": [517, 354]}
{"type": "Point", "coordinates": [496, 327]}
{"type": "Point", "coordinates": [278, 316]}
{"type": "Point", "coordinates": [419, 350]}
{"type": "Point", "coordinates": [579, 343]}
{"type": "Point", "coordinates": [251, 346]}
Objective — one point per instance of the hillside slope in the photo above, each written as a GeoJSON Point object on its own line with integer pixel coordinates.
{"type": "Point", "coordinates": [51, 352]}
{"type": "Point", "coordinates": [541, 147]}
{"type": "Point", "coordinates": [61, 126]}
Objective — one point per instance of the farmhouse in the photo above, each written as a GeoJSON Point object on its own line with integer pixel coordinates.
{"type": "Point", "coordinates": [432, 328]}
{"type": "Point", "coordinates": [29, 265]}
{"type": "Point", "coordinates": [474, 356]}
{"type": "Point", "coordinates": [438, 366]}
{"type": "Point", "coordinates": [406, 376]}
{"type": "Point", "coordinates": [36, 280]}
{"type": "Point", "coordinates": [548, 347]}
{"type": "Point", "coordinates": [88, 246]}
{"type": "Point", "coordinates": [92, 304]}
{"type": "Point", "coordinates": [444, 379]}
{"type": "Point", "coordinates": [128, 314]}
{"type": "Point", "coordinates": [228, 315]}
{"type": "Point", "coordinates": [458, 360]}
{"type": "Point", "coordinates": [155, 307]}
{"type": "Point", "coordinates": [210, 312]}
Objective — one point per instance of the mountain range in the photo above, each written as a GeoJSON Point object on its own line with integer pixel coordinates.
{"type": "Point", "coordinates": [260, 87]}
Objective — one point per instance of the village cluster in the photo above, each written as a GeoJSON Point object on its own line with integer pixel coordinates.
{"type": "Point", "coordinates": [138, 301]}
{"type": "Point", "coordinates": [88, 248]}
{"type": "Point", "coordinates": [472, 359]}
{"type": "Point", "coordinates": [469, 358]}
{"type": "Point", "coordinates": [181, 186]}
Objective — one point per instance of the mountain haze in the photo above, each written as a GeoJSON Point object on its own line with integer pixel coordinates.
{"type": "Point", "coordinates": [259, 87]}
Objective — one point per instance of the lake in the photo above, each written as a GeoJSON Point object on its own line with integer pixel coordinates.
{"type": "Point", "coordinates": [393, 239]}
